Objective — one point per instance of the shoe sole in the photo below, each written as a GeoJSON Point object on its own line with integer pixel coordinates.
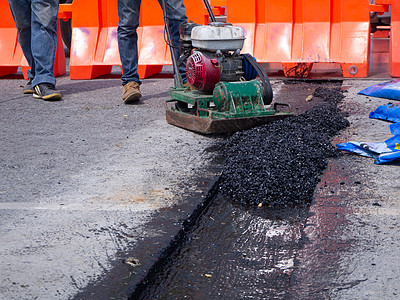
{"type": "Point", "coordinates": [51, 97]}
{"type": "Point", "coordinates": [133, 98]}
{"type": "Point", "coordinates": [29, 92]}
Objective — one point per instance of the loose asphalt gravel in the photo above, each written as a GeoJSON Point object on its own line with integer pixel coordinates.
{"type": "Point", "coordinates": [280, 163]}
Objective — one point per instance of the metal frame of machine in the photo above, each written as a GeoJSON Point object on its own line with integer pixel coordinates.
{"type": "Point", "coordinates": [223, 96]}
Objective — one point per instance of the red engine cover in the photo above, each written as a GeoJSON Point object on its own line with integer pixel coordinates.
{"type": "Point", "coordinates": [202, 73]}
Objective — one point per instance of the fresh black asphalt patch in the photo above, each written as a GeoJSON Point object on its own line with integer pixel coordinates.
{"type": "Point", "coordinates": [280, 163]}
{"type": "Point", "coordinates": [241, 242]}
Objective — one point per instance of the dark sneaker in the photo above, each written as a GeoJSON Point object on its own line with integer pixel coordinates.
{"type": "Point", "coordinates": [46, 91]}
{"type": "Point", "coordinates": [28, 89]}
{"type": "Point", "coordinates": [131, 92]}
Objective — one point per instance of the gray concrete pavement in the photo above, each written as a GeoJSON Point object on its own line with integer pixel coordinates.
{"type": "Point", "coordinates": [80, 179]}
{"type": "Point", "coordinates": [352, 235]}
{"type": "Point", "coordinates": [370, 269]}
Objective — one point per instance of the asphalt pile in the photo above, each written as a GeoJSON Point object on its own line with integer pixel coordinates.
{"type": "Point", "coordinates": [279, 164]}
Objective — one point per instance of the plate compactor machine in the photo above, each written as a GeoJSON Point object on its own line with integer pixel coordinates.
{"type": "Point", "coordinates": [222, 94]}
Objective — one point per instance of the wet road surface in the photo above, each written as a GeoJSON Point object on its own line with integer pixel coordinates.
{"type": "Point", "coordinates": [331, 249]}
{"type": "Point", "coordinates": [233, 253]}
{"type": "Point", "coordinates": [119, 203]}
{"type": "Point", "coordinates": [246, 246]}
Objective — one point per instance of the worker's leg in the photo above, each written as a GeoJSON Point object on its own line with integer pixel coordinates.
{"type": "Point", "coordinates": [44, 39]}
{"type": "Point", "coordinates": [176, 17]}
{"type": "Point", "coordinates": [128, 13]}
{"type": "Point", "coordinates": [21, 12]}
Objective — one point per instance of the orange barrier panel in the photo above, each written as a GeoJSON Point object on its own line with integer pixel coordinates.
{"type": "Point", "coordinates": [394, 58]}
{"type": "Point", "coordinates": [382, 6]}
{"type": "Point", "coordinates": [10, 52]}
{"type": "Point", "coordinates": [394, 53]}
{"type": "Point", "coordinates": [153, 51]}
{"type": "Point", "coordinates": [94, 47]}
{"type": "Point", "coordinates": [350, 37]}
{"type": "Point", "coordinates": [151, 45]}
{"type": "Point", "coordinates": [298, 33]}
{"type": "Point", "coordinates": [11, 56]}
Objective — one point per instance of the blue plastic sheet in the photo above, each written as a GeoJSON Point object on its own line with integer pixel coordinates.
{"type": "Point", "coordinates": [389, 112]}
{"type": "Point", "coordinates": [389, 150]}
{"type": "Point", "coordinates": [382, 152]}
{"type": "Point", "coordinates": [395, 128]}
{"type": "Point", "coordinates": [387, 90]}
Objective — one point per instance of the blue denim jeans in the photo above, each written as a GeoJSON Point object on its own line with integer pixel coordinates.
{"type": "Point", "coordinates": [36, 21]}
{"type": "Point", "coordinates": [128, 13]}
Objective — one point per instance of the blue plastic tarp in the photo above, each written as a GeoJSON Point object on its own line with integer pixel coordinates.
{"type": "Point", "coordinates": [387, 90]}
{"type": "Point", "coordinates": [395, 128]}
{"type": "Point", "coordinates": [389, 150]}
{"type": "Point", "coordinates": [382, 152]}
{"type": "Point", "coordinates": [389, 112]}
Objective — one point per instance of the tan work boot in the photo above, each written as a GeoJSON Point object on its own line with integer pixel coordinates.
{"type": "Point", "coordinates": [131, 92]}
{"type": "Point", "coordinates": [188, 85]}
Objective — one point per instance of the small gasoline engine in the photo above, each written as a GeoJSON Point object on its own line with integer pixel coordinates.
{"type": "Point", "coordinates": [214, 54]}
{"type": "Point", "coordinates": [224, 94]}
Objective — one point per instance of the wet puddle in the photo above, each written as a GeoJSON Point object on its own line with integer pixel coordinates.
{"type": "Point", "coordinates": [233, 253]}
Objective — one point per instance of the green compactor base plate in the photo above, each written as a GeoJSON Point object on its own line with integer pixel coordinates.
{"type": "Point", "coordinates": [232, 107]}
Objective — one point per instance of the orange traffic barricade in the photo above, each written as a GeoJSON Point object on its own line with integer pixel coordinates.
{"type": "Point", "coordinates": [10, 52]}
{"type": "Point", "coordinates": [394, 52]}
{"type": "Point", "coordinates": [298, 33]}
{"type": "Point", "coordinates": [11, 56]}
{"type": "Point", "coordinates": [394, 46]}
{"type": "Point", "coordinates": [153, 51]}
{"type": "Point", "coordinates": [382, 6]}
{"type": "Point", "coordinates": [94, 46]}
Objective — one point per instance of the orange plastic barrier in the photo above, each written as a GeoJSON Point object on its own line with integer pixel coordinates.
{"type": "Point", "coordinates": [153, 51]}
{"type": "Point", "coordinates": [382, 6]}
{"type": "Point", "coordinates": [394, 59]}
{"type": "Point", "coordinates": [394, 53]}
{"type": "Point", "coordinates": [94, 47]}
{"type": "Point", "coordinates": [10, 52]}
{"type": "Point", "coordinates": [298, 33]}
{"type": "Point", "coordinates": [11, 56]}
